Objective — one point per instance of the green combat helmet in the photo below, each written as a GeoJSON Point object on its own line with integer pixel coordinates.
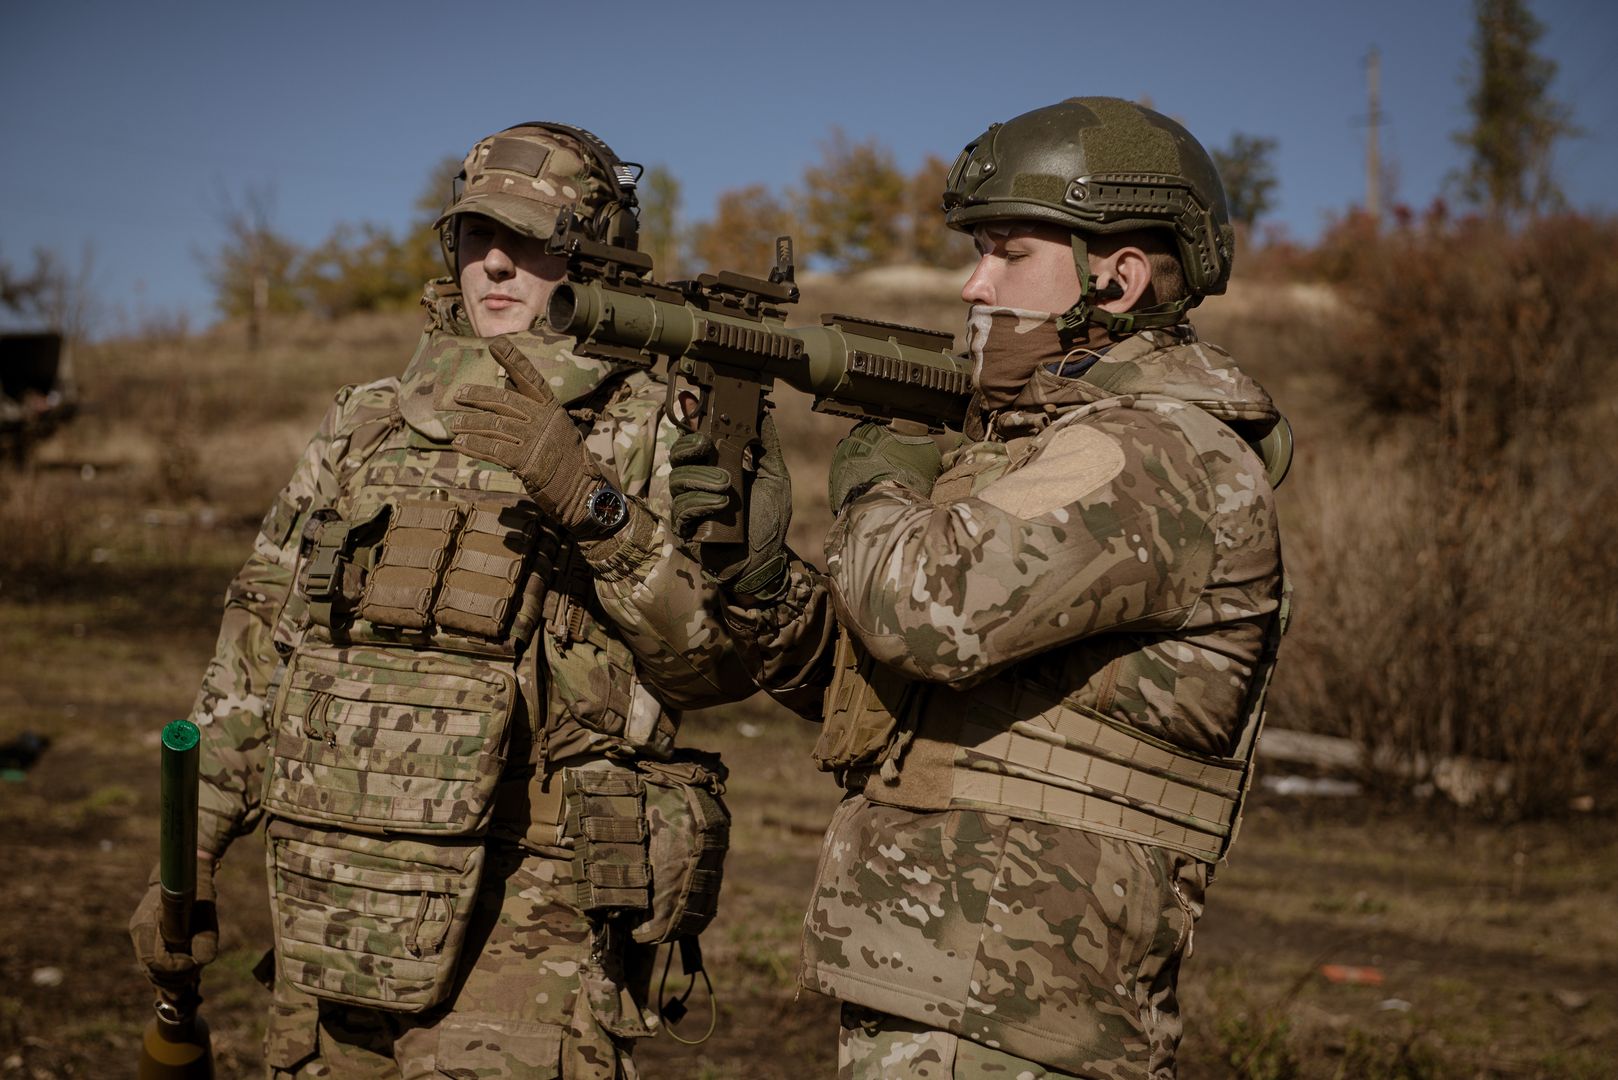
{"type": "Point", "coordinates": [1100, 165]}
{"type": "Point", "coordinates": [532, 176]}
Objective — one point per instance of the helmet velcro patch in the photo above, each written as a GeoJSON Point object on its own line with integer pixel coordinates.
{"type": "Point", "coordinates": [1040, 186]}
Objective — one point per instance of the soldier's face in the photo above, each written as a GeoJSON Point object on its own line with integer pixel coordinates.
{"type": "Point", "coordinates": [1028, 266]}
{"type": "Point", "coordinates": [506, 277]}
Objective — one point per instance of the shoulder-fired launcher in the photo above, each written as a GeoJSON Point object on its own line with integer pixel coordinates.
{"type": "Point", "coordinates": [726, 334]}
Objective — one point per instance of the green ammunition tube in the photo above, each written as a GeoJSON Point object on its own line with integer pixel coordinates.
{"type": "Point", "coordinates": [177, 829]}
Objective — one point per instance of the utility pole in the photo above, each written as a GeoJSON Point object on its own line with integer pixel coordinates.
{"type": "Point", "coordinates": [1373, 121]}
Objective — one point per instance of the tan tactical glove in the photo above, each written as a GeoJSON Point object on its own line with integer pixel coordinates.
{"type": "Point", "coordinates": [529, 432]}
{"type": "Point", "coordinates": [872, 453]}
{"type": "Point", "coordinates": [700, 490]}
{"type": "Point", "coordinates": [168, 970]}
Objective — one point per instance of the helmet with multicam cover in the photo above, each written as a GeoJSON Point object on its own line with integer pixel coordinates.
{"type": "Point", "coordinates": [527, 176]}
{"type": "Point", "coordinates": [1100, 165]}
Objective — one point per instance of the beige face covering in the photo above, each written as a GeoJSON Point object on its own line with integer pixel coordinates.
{"type": "Point", "coordinates": [1008, 345]}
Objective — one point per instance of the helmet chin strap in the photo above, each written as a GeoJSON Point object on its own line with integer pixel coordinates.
{"type": "Point", "coordinates": [1071, 323]}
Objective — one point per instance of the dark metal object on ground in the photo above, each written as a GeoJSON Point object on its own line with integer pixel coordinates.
{"type": "Point", "coordinates": [36, 394]}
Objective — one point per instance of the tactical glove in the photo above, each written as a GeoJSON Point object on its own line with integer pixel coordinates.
{"type": "Point", "coordinates": [529, 432]}
{"type": "Point", "coordinates": [874, 452]}
{"type": "Point", "coordinates": [700, 491]}
{"type": "Point", "coordinates": [168, 970]}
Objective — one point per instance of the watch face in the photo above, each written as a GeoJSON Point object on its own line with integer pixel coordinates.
{"type": "Point", "coordinates": [607, 508]}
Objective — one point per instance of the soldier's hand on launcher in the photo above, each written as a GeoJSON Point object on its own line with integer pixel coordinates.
{"type": "Point", "coordinates": [701, 491]}
{"type": "Point", "coordinates": [875, 452]}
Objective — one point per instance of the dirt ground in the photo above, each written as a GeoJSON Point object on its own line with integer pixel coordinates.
{"type": "Point", "coordinates": [1481, 950]}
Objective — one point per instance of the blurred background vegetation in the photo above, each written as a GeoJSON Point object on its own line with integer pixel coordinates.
{"type": "Point", "coordinates": [1449, 370]}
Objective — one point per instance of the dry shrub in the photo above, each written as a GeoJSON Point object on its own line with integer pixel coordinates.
{"type": "Point", "coordinates": [43, 539]}
{"type": "Point", "coordinates": [1451, 545]}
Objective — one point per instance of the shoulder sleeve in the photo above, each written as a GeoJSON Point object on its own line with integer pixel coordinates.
{"type": "Point", "coordinates": [649, 585]}
{"type": "Point", "coordinates": [788, 643]}
{"type": "Point", "coordinates": [233, 704]}
{"type": "Point", "coordinates": [1107, 525]}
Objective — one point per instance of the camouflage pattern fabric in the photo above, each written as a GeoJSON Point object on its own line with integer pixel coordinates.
{"type": "Point", "coordinates": [532, 1004]}
{"type": "Point", "coordinates": [523, 176]}
{"type": "Point", "coordinates": [1046, 942]}
{"type": "Point", "coordinates": [875, 1046]}
{"type": "Point", "coordinates": [1007, 345]}
{"type": "Point", "coordinates": [630, 635]}
{"type": "Point", "coordinates": [1110, 538]}
{"type": "Point", "coordinates": [1087, 514]}
{"type": "Point", "coordinates": [661, 621]}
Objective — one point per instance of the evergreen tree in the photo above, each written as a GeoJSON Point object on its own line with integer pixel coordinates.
{"type": "Point", "coordinates": [1248, 174]}
{"type": "Point", "coordinates": [1515, 121]}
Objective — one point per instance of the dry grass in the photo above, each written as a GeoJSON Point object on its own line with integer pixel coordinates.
{"type": "Point", "coordinates": [1433, 617]}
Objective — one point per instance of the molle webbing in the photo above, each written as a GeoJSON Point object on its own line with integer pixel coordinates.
{"type": "Point", "coordinates": [1015, 751]}
{"type": "Point", "coordinates": [1103, 778]}
{"type": "Point", "coordinates": [337, 555]}
{"type": "Point", "coordinates": [606, 820]}
{"type": "Point", "coordinates": [404, 582]}
{"type": "Point", "coordinates": [483, 577]}
{"type": "Point", "coordinates": [474, 570]}
{"type": "Point", "coordinates": [378, 740]}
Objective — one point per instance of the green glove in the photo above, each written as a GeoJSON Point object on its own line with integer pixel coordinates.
{"type": "Point", "coordinates": [700, 490]}
{"type": "Point", "coordinates": [168, 970]}
{"type": "Point", "coordinates": [874, 452]}
{"type": "Point", "coordinates": [529, 432]}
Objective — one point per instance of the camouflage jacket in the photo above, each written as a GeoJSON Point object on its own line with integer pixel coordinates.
{"type": "Point", "coordinates": [643, 634]}
{"type": "Point", "coordinates": [1109, 543]}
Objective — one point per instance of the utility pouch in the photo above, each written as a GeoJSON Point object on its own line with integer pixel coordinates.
{"type": "Point", "coordinates": [865, 706]}
{"type": "Point", "coordinates": [606, 821]}
{"type": "Point", "coordinates": [380, 789]}
{"type": "Point", "coordinates": [370, 921]}
{"type": "Point", "coordinates": [404, 582]}
{"type": "Point", "coordinates": [389, 740]}
{"type": "Point", "coordinates": [688, 833]}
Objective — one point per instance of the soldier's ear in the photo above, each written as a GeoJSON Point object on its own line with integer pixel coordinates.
{"type": "Point", "coordinates": [1123, 278]}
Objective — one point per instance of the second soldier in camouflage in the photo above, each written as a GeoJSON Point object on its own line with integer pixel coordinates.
{"type": "Point", "coordinates": [1053, 642]}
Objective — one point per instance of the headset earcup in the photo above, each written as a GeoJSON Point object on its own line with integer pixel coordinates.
{"type": "Point", "coordinates": [446, 245]}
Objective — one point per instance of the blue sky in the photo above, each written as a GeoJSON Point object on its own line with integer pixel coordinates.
{"type": "Point", "coordinates": [124, 122]}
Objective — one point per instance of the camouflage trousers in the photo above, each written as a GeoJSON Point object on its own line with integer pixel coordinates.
{"type": "Point", "coordinates": [1045, 942]}
{"type": "Point", "coordinates": [531, 1000]}
{"type": "Point", "coordinates": [875, 1046]}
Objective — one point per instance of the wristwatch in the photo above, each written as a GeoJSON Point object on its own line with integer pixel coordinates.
{"type": "Point", "coordinates": [608, 510]}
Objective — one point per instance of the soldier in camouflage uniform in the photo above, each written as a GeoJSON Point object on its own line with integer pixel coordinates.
{"type": "Point", "coordinates": [1054, 640]}
{"type": "Point", "coordinates": [449, 677]}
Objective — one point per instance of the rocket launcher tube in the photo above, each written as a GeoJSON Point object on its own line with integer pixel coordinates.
{"type": "Point", "coordinates": [850, 366]}
{"type": "Point", "coordinates": [725, 335]}
{"type": "Point", "coordinates": [177, 829]}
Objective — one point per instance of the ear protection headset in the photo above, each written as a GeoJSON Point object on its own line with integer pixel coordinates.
{"type": "Point", "coordinates": [617, 222]}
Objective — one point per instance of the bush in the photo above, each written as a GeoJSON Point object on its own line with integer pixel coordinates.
{"type": "Point", "coordinates": [1452, 561]}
